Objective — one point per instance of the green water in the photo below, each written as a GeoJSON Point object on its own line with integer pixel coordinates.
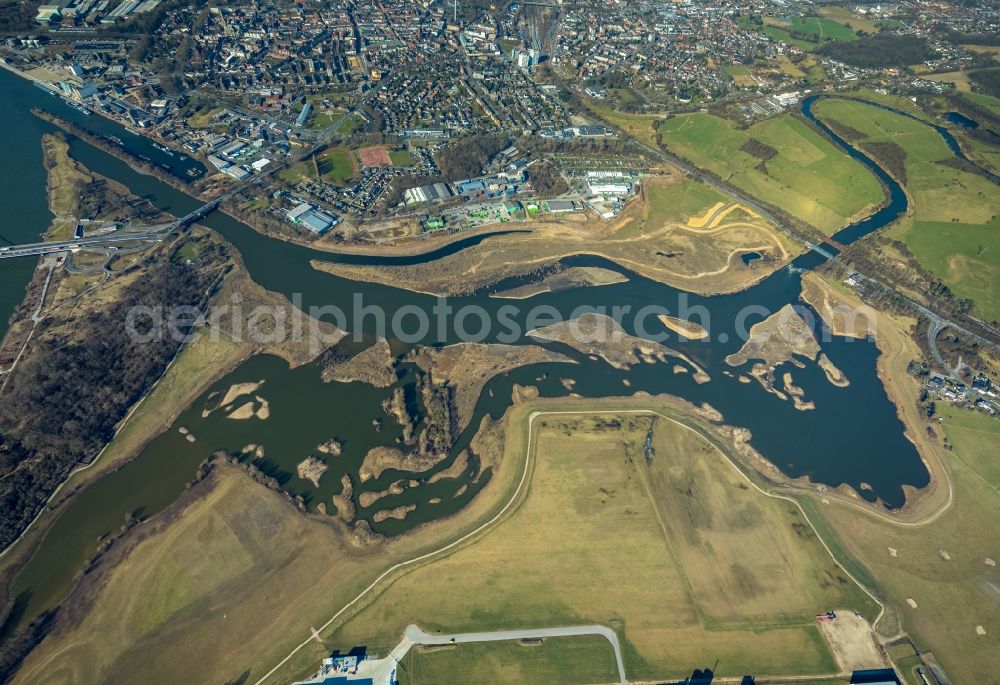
{"type": "Point", "coordinates": [853, 436]}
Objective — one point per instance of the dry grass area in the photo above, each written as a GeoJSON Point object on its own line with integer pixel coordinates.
{"type": "Point", "coordinates": [227, 580]}
{"type": "Point", "coordinates": [65, 182]}
{"type": "Point", "coordinates": [564, 279]}
{"type": "Point", "coordinates": [651, 237]}
{"type": "Point", "coordinates": [846, 317]}
{"type": "Point", "coordinates": [959, 79]}
{"type": "Point", "coordinates": [601, 336]}
{"type": "Point", "coordinates": [264, 316]}
{"type": "Point", "coordinates": [939, 576]}
{"type": "Point", "coordinates": [179, 606]}
{"type": "Point", "coordinates": [666, 550]}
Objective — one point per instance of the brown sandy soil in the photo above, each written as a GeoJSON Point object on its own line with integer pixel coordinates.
{"type": "Point", "coordinates": [237, 390]}
{"type": "Point", "coordinates": [374, 365]}
{"type": "Point", "coordinates": [269, 322]}
{"type": "Point", "coordinates": [311, 469]}
{"type": "Point", "coordinates": [459, 466]}
{"type": "Point", "coordinates": [852, 642]}
{"type": "Point", "coordinates": [573, 277]}
{"type": "Point", "coordinates": [343, 501]}
{"type": "Point", "coordinates": [368, 498]}
{"type": "Point", "coordinates": [777, 339]}
{"type": "Point", "coordinates": [688, 329]}
{"type": "Point", "coordinates": [699, 260]}
{"type": "Point", "coordinates": [797, 393]}
{"type": "Point", "coordinates": [602, 336]}
{"type": "Point", "coordinates": [398, 513]}
{"type": "Point", "coordinates": [467, 367]}
{"type": "Point", "coordinates": [379, 459]}
{"type": "Point", "coordinates": [332, 447]}
{"type": "Point", "coordinates": [243, 412]}
{"type": "Point", "coordinates": [833, 373]}
{"type": "Point", "coordinates": [845, 316]}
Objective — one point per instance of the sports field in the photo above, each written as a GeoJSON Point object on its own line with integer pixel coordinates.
{"type": "Point", "coordinates": [337, 164]}
{"type": "Point", "coordinates": [954, 230]}
{"type": "Point", "coordinates": [783, 161]}
{"type": "Point", "coordinates": [676, 552]}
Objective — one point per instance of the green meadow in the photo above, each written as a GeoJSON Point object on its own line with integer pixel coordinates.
{"type": "Point", "coordinates": [807, 177]}
{"type": "Point", "coordinates": [954, 225]}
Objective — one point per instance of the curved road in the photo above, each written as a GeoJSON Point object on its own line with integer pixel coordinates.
{"type": "Point", "coordinates": [414, 631]}
{"type": "Point", "coordinates": [413, 635]}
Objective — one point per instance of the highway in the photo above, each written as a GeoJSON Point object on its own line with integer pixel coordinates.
{"type": "Point", "coordinates": [34, 249]}
{"type": "Point", "coordinates": [153, 233]}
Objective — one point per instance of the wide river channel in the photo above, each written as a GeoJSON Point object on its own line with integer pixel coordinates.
{"type": "Point", "coordinates": [852, 437]}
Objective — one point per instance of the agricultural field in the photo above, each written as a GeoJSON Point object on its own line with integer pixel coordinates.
{"type": "Point", "coordinates": [939, 576]}
{"type": "Point", "coordinates": [782, 161]}
{"type": "Point", "coordinates": [665, 550]}
{"type": "Point", "coordinates": [959, 79]}
{"type": "Point", "coordinates": [954, 230]}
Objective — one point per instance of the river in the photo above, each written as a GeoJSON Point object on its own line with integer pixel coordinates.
{"type": "Point", "coordinates": [853, 436]}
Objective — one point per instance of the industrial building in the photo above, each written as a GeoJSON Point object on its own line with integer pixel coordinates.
{"type": "Point", "coordinates": [436, 191]}
{"type": "Point", "coordinates": [315, 220]}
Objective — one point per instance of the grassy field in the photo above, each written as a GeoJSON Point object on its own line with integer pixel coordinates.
{"type": "Point", "coordinates": [337, 164]}
{"type": "Point", "coordinates": [844, 16]}
{"type": "Point", "coordinates": [401, 158]}
{"type": "Point", "coordinates": [350, 125]}
{"type": "Point", "coordinates": [690, 199]}
{"type": "Point", "coordinates": [942, 566]}
{"type": "Point", "coordinates": [322, 120]}
{"type": "Point", "coordinates": [822, 27]}
{"type": "Point", "coordinates": [669, 552]}
{"type": "Point", "coordinates": [65, 182]}
{"type": "Point", "coordinates": [204, 118]}
{"type": "Point", "coordinates": [808, 177]}
{"type": "Point", "coordinates": [991, 103]}
{"type": "Point", "coordinates": [975, 436]}
{"type": "Point", "coordinates": [565, 660]}
{"type": "Point", "coordinates": [639, 126]}
{"type": "Point", "coordinates": [954, 226]}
